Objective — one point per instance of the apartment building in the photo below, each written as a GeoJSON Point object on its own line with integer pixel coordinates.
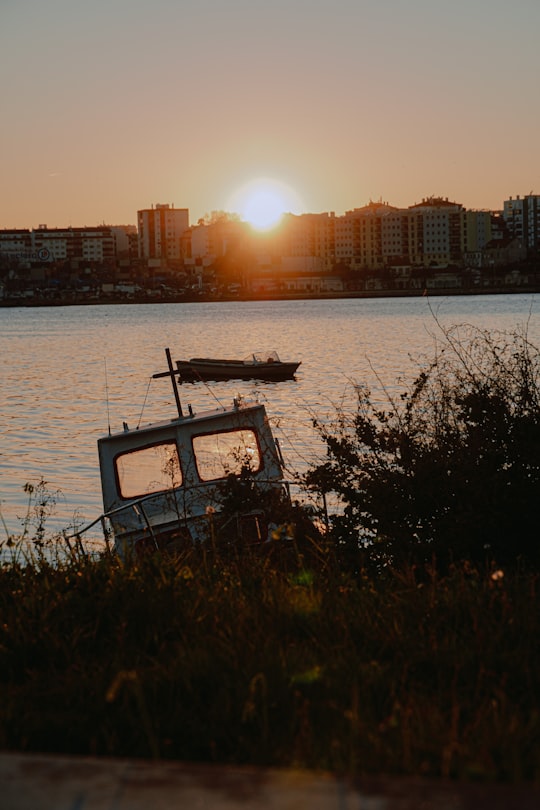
{"type": "Point", "coordinates": [396, 237]}
{"type": "Point", "coordinates": [359, 235]}
{"type": "Point", "coordinates": [78, 244]}
{"type": "Point", "coordinates": [428, 233]}
{"type": "Point", "coordinates": [16, 244]}
{"type": "Point", "coordinates": [306, 242]}
{"type": "Point", "coordinates": [437, 235]}
{"type": "Point", "coordinates": [479, 229]}
{"type": "Point", "coordinates": [58, 245]}
{"type": "Point", "coordinates": [522, 217]}
{"type": "Point", "coordinates": [161, 229]}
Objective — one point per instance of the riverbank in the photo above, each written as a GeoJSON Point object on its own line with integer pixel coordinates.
{"type": "Point", "coordinates": [76, 299]}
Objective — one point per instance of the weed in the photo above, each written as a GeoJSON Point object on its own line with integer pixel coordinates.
{"type": "Point", "coordinates": [210, 658]}
{"type": "Point", "coordinates": [448, 471]}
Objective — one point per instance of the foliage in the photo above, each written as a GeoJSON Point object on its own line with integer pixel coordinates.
{"type": "Point", "coordinates": [202, 657]}
{"type": "Point", "coordinates": [31, 541]}
{"type": "Point", "coordinates": [218, 217]}
{"type": "Point", "coordinates": [250, 514]}
{"type": "Point", "coordinates": [451, 470]}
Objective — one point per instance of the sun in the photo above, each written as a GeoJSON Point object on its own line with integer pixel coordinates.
{"type": "Point", "coordinates": [263, 209]}
{"type": "Point", "coordinates": [262, 202]}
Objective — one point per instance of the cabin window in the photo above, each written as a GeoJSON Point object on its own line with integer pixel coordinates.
{"type": "Point", "coordinates": [149, 469]}
{"type": "Point", "coordinates": [218, 455]}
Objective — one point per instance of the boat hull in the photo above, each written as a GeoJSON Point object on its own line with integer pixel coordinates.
{"type": "Point", "coordinates": [193, 370]}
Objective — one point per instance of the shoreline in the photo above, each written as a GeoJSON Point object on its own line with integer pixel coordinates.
{"type": "Point", "coordinates": [205, 299]}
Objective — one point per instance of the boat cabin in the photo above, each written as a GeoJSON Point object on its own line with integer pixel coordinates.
{"type": "Point", "coordinates": [166, 482]}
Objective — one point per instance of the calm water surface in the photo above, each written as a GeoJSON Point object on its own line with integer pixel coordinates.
{"type": "Point", "coordinates": [68, 373]}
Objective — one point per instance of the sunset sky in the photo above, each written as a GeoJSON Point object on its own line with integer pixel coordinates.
{"type": "Point", "coordinates": [111, 106]}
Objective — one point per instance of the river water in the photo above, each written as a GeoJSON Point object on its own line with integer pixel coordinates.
{"type": "Point", "coordinates": [68, 374]}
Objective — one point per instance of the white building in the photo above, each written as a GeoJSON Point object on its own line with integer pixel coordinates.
{"type": "Point", "coordinates": [160, 232]}
{"type": "Point", "coordinates": [58, 244]}
{"type": "Point", "coordinates": [438, 236]}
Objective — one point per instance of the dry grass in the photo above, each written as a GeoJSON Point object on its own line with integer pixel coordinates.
{"type": "Point", "coordinates": [276, 660]}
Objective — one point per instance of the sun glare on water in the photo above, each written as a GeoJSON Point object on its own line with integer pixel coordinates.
{"type": "Point", "coordinates": [263, 202]}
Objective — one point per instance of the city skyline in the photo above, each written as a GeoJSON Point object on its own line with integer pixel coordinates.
{"type": "Point", "coordinates": [214, 215]}
{"type": "Point", "coordinates": [111, 107]}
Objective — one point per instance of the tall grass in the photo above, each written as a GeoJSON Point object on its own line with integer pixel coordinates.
{"type": "Point", "coordinates": [274, 659]}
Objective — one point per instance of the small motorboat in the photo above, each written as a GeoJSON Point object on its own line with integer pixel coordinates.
{"type": "Point", "coordinates": [259, 365]}
{"type": "Point", "coordinates": [176, 482]}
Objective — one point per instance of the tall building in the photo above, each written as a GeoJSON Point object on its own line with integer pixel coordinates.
{"type": "Point", "coordinates": [522, 217]}
{"type": "Point", "coordinates": [438, 236]}
{"type": "Point", "coordinates": [160, 233]}
{"type": "Point", "coordinates": [367, 235]}
{"type": "Point", "coordinates": [380, 235]}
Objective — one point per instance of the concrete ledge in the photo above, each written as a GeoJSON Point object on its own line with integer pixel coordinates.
{"type": "Point", "coordinates": [39, 782]}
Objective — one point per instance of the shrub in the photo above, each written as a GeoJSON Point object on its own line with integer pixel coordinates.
{"type": "Point", "coordinates": [449, 471]}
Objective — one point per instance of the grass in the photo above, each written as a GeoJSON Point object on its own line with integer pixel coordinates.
{"type": "Point", "coordinates": [274, 660]}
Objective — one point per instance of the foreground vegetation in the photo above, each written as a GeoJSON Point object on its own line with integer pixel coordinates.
{"type": "Point", "coordinates": [404, 640]}
{"type": "Point", "coordinates": [450, 469]}
{"type": "Point", "coordinates": [274, 660]}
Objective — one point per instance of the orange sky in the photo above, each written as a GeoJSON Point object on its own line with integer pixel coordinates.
{"type": "Point", "coordinates": [108, 107]}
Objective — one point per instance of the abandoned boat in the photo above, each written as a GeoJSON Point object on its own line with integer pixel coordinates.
{"type": "Point", "coordinates": [260, 365]}
{"type": "Point", "coordinates": [181, 481]}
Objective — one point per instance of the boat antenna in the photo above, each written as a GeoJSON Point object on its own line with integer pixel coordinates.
{"type": "Point", "coordinates": [172, 372]}
{"type": "Point", "coordinates": [107, 396]}
{"type": "Point", "coordinates": [144, 403]}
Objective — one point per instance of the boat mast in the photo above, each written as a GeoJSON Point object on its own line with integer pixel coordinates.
{"type": "Point", "coordinates": [172, 372]}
